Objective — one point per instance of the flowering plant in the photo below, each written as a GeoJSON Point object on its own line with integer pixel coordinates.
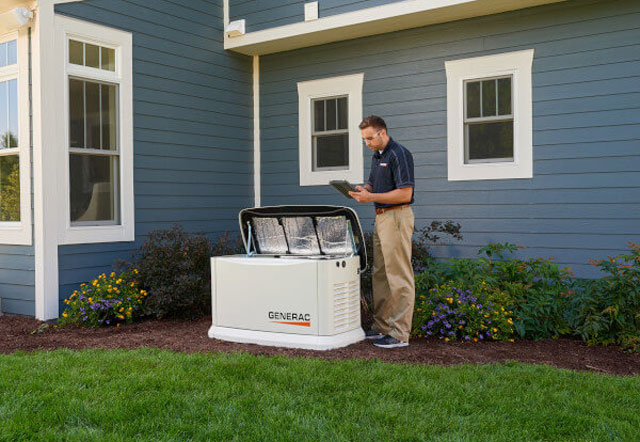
{"type": "Point", "coordinates": [106, 300]}
{"type": "Point", "coordinates": [453, 313]}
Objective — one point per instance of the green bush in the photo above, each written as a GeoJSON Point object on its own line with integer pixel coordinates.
{"type": "Point", "coordinates": [537, 290]}
{"type": "Point", "coordinates": [607, 311]}
{"type": "Point", "coordinates": [174, 268]}
{"type": "Point", "coordinates": [454, 313]}
{"type": "Point", "coordinates": [107, 300]}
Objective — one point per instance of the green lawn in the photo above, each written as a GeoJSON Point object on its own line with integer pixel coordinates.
{"type": "Point", "coordinates": [160, 395]}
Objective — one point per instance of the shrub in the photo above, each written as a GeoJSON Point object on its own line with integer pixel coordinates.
{"type": "Point", "coordinates": [174, 268]}
{"type": "Point", "coordinates": [537, 290]}
{"type": "Point", "coordinates": [106, 300]}
{"type": "Point", "coordinates": [453, 313]}
{"type": "Point", "coordinates": [607, 311]}
{"type": "Point", "coordinates": [420, 255]}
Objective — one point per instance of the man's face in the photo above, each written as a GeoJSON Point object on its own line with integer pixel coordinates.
{"type": "Point", "coordinates": [375, 139]}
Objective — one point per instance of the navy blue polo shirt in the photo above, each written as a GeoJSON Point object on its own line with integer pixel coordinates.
{"type": "Point", "coordinates": [391, 169]}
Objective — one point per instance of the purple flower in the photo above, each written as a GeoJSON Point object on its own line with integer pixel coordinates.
{"type": "Point", "coordinates": [467, 337]}
{"type": "Point", "coordinates": [479, 306]}
{"type": "Point", "coordinates": [480, 336]}
{"type": "Point", "coordinates": [424, 327]}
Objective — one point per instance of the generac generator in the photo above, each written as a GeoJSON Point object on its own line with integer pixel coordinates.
{"type": "Point", "coordinates": [299, 283]}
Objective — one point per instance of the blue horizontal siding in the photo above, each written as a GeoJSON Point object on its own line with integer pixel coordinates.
{"type": "Point", "coordinates": [584, 199]}
{"type": "Point", "coordinates": [17, 279]}
{"type": "Point", "coordinates": [266, 14]}
{"type": "Point", "coordinates": [193, 125]}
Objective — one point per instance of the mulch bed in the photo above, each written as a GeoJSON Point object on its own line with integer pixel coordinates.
{"type": "Point", "coordinates": [191, 336]}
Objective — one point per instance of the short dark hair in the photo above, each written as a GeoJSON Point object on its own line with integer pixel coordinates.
{"type": "Point", "coordinates": [373, 121]}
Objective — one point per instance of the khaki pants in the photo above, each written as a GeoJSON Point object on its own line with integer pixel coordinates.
{"type": "Point", "coordinates": [393, 281]}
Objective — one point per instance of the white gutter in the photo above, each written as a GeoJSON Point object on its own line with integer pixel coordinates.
{"type": "Point", "coordinates": [370, 21]}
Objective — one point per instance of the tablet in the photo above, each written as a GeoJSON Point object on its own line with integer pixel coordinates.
{"type": "Point", "coordinates": [344, 187]}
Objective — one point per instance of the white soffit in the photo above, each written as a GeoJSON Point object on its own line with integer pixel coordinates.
{"type": "Point", "coordinates": [371, 21]}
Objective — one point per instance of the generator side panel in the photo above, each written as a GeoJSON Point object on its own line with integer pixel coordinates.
{"type": "Point", "coordinates": [339, 295]}
{"type": "Point", "coordinates": [266, 294]}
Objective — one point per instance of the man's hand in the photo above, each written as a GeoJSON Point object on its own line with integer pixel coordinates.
{"type": "Point", "coordinates": [362, 195]}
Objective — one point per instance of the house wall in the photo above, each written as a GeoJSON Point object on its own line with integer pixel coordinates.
{"type": "Point", "coordinates": [17, 279]}
{"type": "Point", "coordinates": [193, 148]}
{"type": "Point", "coordinates": [584, 199]}
{"type": "Point", "coordinates": [266, 14]}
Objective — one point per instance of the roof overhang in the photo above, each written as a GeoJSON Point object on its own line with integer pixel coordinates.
{"type": "Point", "coordinates": [370, 21]}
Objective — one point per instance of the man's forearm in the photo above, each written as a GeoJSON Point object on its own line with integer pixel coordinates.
{"type": "Point", "coordinates": [396, 196]}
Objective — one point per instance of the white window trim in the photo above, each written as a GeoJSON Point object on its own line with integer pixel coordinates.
{"type": "Point", "coordinates": [67, 28]}
{"type": "Point", "coordinates": [518, 65]}
{"type": "Point", "coordinates": [20, 232]}
{"type": "Point", "coordinates": [350, 85]}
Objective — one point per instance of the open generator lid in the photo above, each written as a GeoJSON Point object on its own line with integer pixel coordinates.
{"type": "Point", "coordinates": [303, 231]}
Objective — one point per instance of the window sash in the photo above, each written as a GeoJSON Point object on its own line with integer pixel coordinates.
{"type": "Point", "coordinates": [337, 116]}
{"type": "Point", "coordinates": [488, 118]}
{"type": "Point", "coordinates": [467, 160]}
{"type": "Point", "coordinates": [314, 144]}
{"type": "Point", "coordinates": [115, 188]}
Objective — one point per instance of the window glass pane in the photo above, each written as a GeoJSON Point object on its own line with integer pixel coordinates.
{"type": "Point", "coordinates": [318, 115]}
{"type": "Point", "coordinates": [92, 106]}
{"type": "Point", "coordinates": [473, 99]}
{"type": "Point", "coordinates": [13, 113]}
{"type": "Point", "coordinates": [8, 53]}
{"type": "Point", "coordinates": [4, 114]}
{"type": "Point", "coordinates": [76, 113]}
{"type": "Point", "coordinates": [489, 98]}
{"type": "Point", "coordinates": [9, 188]}
{"type": "Point", "coordinates": [92, 55]}
{"type": "Point", "coordinates": [12, 52]}
{"type": "Point", "coordinates": [490, 140]}
{"type": "Point", "coordinates": [332, 114]}
{"type": "Point", "coordinates": [75, 52]}
{"type": "Point", "coordinates": [9, 114]}
{"type": "Point", "coordinates": [331, 151]}
{"type": "Point", "coordinates": [108, 59]}
{"type": "Point", "coordinates": [92, 183]}
{"type": "Point", "coordinates": [504, 96]}
{"type": "Point", "coordinates": [109, 107]}
{"type": "Point", "coordinates": [343, 113]}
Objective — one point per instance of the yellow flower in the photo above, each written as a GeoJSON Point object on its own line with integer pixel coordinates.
{"type": "Point", "coordinates": [112, 274]}
{"type": "Point", "coordinates": [64, 315]}
{"type": "Point", "coordinates": [476, 339]}
{"type": "Point", "coordinates": [120, 317]}
{"type": "Point", "coordinates": [495, 330]}
{"type": "Point", "coordinates": [510, 340]}
{"type": "Point", "coordinates": [135, 271]}
{"type": "Point", "coordinates": [90, 300]}
{"type": "Point", "coordinates": [460, 327]}
{"type": "Point", "coordinates": [446, 339]}
{"type": "Point", "coordinates": [118, 325]}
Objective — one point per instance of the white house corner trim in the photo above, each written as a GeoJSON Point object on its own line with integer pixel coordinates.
{"type": "Point", "coordinates": [256, 132]}
{"type": "Point", "coordinates": [519, 65]}
{"type": "Point", "coordinates": [350, 85]}
{"type": "Point", "coordinates": [46, 192]}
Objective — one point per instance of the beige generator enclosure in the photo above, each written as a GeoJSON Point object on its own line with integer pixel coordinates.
{"type": "Point", "coordinates": [298, 284]}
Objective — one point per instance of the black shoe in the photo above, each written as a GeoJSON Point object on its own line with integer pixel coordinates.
{"type": "Point", "coordinates": [372, 334]}
{"type": "Point", "coordinates": [390, 342]}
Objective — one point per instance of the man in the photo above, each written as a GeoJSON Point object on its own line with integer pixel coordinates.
{"type": "Point", "coordinates": [390, 188]}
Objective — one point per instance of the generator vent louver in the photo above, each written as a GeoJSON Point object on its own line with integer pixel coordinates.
{"type": "Point", "coordinates": [346, 306]}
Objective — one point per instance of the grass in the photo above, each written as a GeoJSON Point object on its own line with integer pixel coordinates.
{"type": "Point", "coordinates": [159, 395]}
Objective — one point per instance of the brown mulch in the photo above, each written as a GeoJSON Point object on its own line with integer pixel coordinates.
{"type": "Point", "coordinates": [191, 336]}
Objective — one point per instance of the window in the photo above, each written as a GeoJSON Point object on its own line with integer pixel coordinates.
{"type": "Point", "coordinates": [330, 134]}
{"type": "Point", "coordinates": [15, 202]}
{"type": "Point", "coordinates": [329, 139]}
{"type": "Point", "coordinates": [489, 114]}
{"type": "Point", "coordinates": [98, 135]}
